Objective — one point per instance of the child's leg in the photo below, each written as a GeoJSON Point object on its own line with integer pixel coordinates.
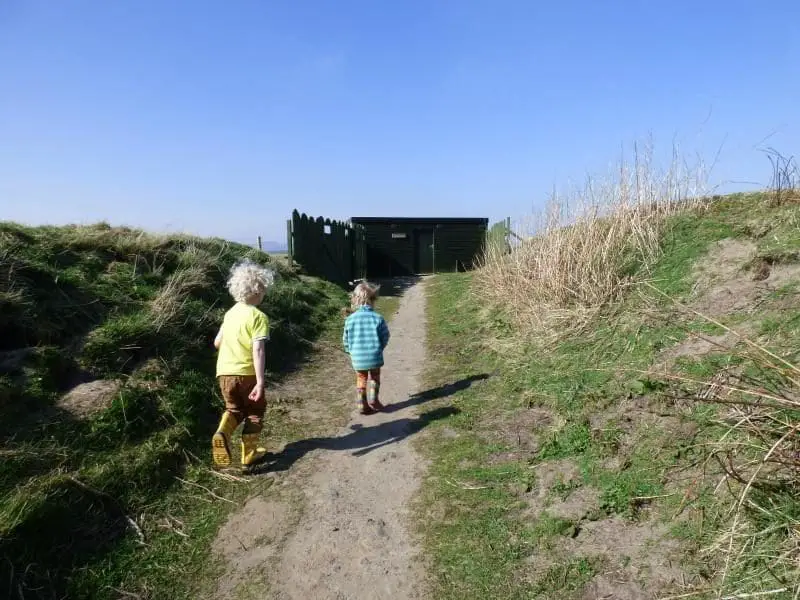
{"type": "Point", "coordinates": [252, 453]}
{"type": "Point", "coordinates": [361, 392]}
{"type": "Point", "coordinates": [374, 388]}
{"type": "Point", "coordinates": [221, 442]}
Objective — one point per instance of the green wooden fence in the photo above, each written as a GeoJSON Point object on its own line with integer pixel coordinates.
{"type": "Point", "coordinates": [332, 250]}
{"type": "Point", "coordinates": [498, 237]}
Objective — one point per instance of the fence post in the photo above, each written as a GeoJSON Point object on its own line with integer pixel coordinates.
{"type": "Point", "coordinates": [289, 244]}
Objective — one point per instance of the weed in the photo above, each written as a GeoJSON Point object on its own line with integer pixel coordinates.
{"type": "Point", "coordinates": [566, 577]}
{"type": "Point", "coordinates": [572, 440]}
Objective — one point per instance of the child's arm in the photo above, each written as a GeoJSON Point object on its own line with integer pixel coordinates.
{"type": "Point", "coordinates": [218, 339]}
{"type": "Point", "coordinates": [260, 332]}
{"type": "Point", "coordinates": [259, 362]}
{"type": "Point", "coordinates": [383, 333]}
{"type": "Point", "coordinates": [345, 340]}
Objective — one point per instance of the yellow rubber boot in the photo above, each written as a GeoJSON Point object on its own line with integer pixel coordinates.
{"type": "Point", "coordinates": [252, 453]}
{"type": "Point", "coordinates": [221, 442]}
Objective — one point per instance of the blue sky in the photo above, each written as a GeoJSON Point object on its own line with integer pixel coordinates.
{"type": "Point", "coordinates": [218, 117]}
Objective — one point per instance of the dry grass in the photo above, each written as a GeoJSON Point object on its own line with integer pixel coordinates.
{"type": "Point", "coordinates": [169, 304]}
{"type": "Point", "coordinates": [585, 248]}
{"type": "Point", "coordinates": [760, 453]}
{"type": "Point", "coordinates": [785, 186]}
{"type": "Point", "coordinates": [758, 552]}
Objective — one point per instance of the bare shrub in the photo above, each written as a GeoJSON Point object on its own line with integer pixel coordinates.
{"type": "Point", "coordinates": [584, 248]}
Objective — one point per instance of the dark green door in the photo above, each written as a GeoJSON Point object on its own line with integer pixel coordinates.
{"type": "Point", "coordinates": [423, 251]}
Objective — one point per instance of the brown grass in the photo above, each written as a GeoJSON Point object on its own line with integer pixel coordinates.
{"type": "Point", "coordinates": [168, 304]}
{"type": "Point", "coordinates": [585, 248]}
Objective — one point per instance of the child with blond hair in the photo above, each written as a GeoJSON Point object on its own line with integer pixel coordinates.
{"type": "Point", "coordinates": [241, 362]}
{"type": "Point", "coordinates": [365, 337]}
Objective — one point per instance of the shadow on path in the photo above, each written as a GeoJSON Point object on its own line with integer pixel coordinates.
{"type": "Point", "coordinates": [396, 287]}
{"type": "Point", "coordinates": [364, 439]}
{"type": "Point", "coordinates": [437, 393]}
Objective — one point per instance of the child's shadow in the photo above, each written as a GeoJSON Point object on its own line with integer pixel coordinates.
{"type": "Point", "coordinates": [361, 440]}
{"type": "Point", "coordinates": [437, 393]}
{"type": "Point", "coordinates": [366, 439]}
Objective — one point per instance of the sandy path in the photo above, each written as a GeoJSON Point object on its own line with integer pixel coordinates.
{"type": "Point", "coordinates": [353, 540]}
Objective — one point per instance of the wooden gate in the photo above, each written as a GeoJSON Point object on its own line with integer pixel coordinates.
{"type": "Point", "coordinates": [332, 250]}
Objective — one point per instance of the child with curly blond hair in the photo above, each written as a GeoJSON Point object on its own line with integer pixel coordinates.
{"type": "Point", "coordinates": [241, 361]}
{"type": "Point", "coordinates": [365, 337]}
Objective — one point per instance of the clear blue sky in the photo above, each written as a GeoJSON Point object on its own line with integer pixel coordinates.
{"type": "Point", "coordinates": [220, 117]}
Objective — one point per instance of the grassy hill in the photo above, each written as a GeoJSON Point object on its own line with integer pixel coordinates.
{"type": "Point", "coordinates": [108, 399]}
{"type": "Point", "coordinates": [629, 425]}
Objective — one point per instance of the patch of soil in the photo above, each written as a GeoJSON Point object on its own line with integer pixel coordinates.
{"type": "Point", "coordinates": [578, 505]}
{"type": "Point", "coordinates": [634, 418]}
{"type": "Point", "coordinates": [696, 346]}
{"type": "Point", "coordinates": [520, 431]}
{"type": "Point", "coordinates": [633, 414]}
{"type": "Point", "coordinates": [613, 587]}
{"type": "Point", "coordinates": [726, 286]}
{"type": "Point", "coordinates": [641, 560]}
{"type": "Point", "coordinates": [546, 475]}
{"type": "Point", "coordinates": [89, 398]}
{"type": "Point", "coordinates": [726, 259]}
{"type": "Point", "coordinates": [251, 539]}
{"type": "Point", "coordinates": [783, 274]}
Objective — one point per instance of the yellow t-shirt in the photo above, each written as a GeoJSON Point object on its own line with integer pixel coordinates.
{"type": "Point", "coordinates": [243, 324]}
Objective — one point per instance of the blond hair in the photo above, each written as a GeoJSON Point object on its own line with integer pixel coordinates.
{"type": "Point", "coordinates": [249, 280]}
{"type": "Point", "coordinates": [364, 294]}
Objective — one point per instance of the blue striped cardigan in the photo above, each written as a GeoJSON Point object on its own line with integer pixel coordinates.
{"type": "Point", "coordinates": [366, 334]}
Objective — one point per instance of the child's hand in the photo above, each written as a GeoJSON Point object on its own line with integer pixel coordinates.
{"type": "Point", "coordinates": [257, 393]}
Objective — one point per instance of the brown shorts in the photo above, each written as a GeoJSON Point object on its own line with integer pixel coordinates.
{"type": "Point", "coordinates": [236, 391]}
{"type": "Point", "coordinates": [363, 376]}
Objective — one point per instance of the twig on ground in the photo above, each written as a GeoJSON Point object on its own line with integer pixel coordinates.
{"type": "Point", "coordinates": [227, 476]}
{"type": "Point", "coordinates": [197, 485]}
{"type": "Point", "coordinates": [131, 523]}
{"type": "Point", "coordinates": [124, 593]}
{"type": "Point", "coordinates": [465, 486]}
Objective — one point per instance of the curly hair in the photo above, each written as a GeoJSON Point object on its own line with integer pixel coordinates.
{"type": "Point", "coordinates": [364, 294]}
{"type": "Point", "coordinates": [249, 280]}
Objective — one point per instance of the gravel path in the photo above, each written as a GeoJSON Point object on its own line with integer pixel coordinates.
{"type": "Point", "coordinates": [352, 539]}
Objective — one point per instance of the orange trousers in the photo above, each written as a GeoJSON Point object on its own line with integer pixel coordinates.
{"type": "Point", "coordinates": [363, 376]}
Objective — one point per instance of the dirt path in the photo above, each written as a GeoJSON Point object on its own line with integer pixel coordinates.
{"type": "Point", "coordinates": [352, 540]}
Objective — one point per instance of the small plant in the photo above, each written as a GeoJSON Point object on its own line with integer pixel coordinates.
{"type": "Point", "coordinates": [573, 439]}
{"type": "Point", "coordinates": [785, 177]}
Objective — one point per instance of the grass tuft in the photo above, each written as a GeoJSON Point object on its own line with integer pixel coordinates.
{"type": "Point", "coordinates": [583, 251]}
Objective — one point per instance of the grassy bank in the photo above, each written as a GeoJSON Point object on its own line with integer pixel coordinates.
{"type": "Point", "coordinates": [108, 402]}
{"type": "Point", "coordinates": [604, 462]}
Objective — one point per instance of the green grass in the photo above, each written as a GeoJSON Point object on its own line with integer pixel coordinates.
{"type": "Point", "coordinates": [79, 303]}
{"type": "Point", "coordinates": [483, 540]}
